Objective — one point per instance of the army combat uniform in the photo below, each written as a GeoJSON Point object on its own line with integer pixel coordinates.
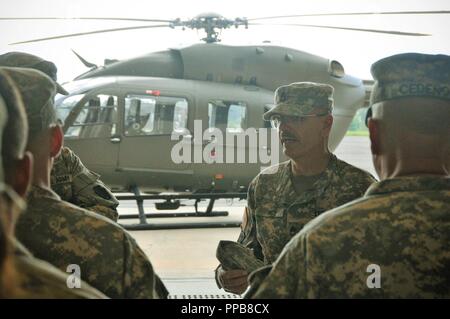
{"type": "Point", "coordinates": [395, 241]}
{"type": "Point", "coordinates": [64, 234]}
{"type": "Point", "coordinates": [25, 276]}
{"type": "Point", "coordinates": [276, 212]}
{"type": "Point", "coordinates": [401, 225]}
{"type": "Point", "coordinates": [278, 206]}
{"type": "Point", "coordinates": [70, 179]}
{"type": "Point", "coordinates": [109, 258]}
{"type": "Point", "coordinates": [74, 183]}
{"type": "Point", "coordinates": [39, 279]}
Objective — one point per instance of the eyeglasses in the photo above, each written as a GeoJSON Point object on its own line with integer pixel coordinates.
{"type": "Point", "coordinates": [277, 119]}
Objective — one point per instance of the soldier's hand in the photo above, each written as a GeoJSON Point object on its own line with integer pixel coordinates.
{"type": "Point", "coordinates": [234, 281]}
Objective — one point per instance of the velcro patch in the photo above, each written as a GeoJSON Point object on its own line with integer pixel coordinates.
{"type": "Point", "coordinates": [62, 179]}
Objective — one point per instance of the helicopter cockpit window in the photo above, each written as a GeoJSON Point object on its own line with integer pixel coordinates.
{"type": "Point", "coordinates": [154, 115]}
{"type": "Point", "coordinates": [227, 115]}
{"type": "Point", "coordinates": [97, 118]}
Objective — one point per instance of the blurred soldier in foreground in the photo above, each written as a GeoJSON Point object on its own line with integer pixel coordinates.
{"type": "Point", "coordinates": [63, 234]}
{"type": "Point", "coordinates": [21, 275]}
{"type": "Point", "coordinates": [395, 241]}
{"type": "Point", "coordinates": [284, 197]}
{"type": "Point", "coordinates": [70, 179]}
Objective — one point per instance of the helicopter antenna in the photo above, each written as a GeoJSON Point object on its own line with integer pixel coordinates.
{"type": "Point", "coordinates": [211, 23]}
{"type": "Point", "coordinates": [86, 63]}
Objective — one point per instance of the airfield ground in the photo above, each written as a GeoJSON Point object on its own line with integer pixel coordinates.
{"type": "Point", "coordinates": [185, 258]}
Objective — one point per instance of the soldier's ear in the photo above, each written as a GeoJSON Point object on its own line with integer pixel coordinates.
{"type": "Point", "coordinates": [374, 134]}
{"type": "Point", "coordinates": [21, 178]}
{"type": "Point", "coordinates": [57, 138]}
{"type": "Point", "coordinates": [327, 124]}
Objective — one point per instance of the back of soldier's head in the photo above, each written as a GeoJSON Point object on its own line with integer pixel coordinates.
{"type": "Point", "coordinates": [37, 92]}
{"type": "Point", "coordinates": [414, 87]}
{"type": "Point", "coordinates": [411, 95]}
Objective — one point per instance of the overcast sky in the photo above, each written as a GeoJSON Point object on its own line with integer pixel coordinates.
{"type": "Point", "coordinates": [355, 50]}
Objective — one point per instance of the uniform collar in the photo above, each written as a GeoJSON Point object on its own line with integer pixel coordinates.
{"type": "Point", "coordinates": [409, 184]}
{"type": "Point", "coordinates": [318, 187]}
{"type": "Point", "coordinates": [37, 192]}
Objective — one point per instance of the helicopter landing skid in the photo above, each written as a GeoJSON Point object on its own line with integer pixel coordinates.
{"type": "Point", "coordinates": [172, 202]}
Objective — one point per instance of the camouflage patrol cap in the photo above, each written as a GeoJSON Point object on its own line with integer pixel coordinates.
{"type": "Point", "coordinates": [409, 75]}
{"type": "Point", "coordinates": [233, 255]}
{"type": "Point", "coordinates": [37, 91]}
{"type": "Point", "coordinates": [26, 60]}
{"type": "Point", "coordinates": [302, 99]}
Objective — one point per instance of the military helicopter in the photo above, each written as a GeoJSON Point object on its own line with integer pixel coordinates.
{"type": "Point", "coordinates": [129, 120]}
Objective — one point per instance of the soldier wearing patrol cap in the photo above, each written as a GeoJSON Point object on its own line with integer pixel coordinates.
{"type": "Point", "coordinates": [22, 275]}
{"type": "Point", "coordinates": [70, 179]}
{"type": "Point", "coordinates": [285, 197]}
{"type": "Point", "coordinates": [63, 234]}
{"type": "Point", "coordinates": [395, 241]}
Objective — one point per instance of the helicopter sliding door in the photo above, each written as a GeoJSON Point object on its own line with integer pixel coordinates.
{"type": "Point", "coordinates": [145, 155]}
{"type": "Point", "coordinates": [90, 128]}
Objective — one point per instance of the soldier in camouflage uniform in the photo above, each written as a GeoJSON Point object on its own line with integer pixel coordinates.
{"type": "Point", "coordinates": [64, 234]}
{"type": "Point", "coordinates": [22, 275]}
{"type": "Point", "coordinates": [284, 197]}
{"type": "Point", "coordinates": [395, 241]}
{"type": "Point", "coordinates": [70, 179]}
{"type": "Point", "coordinates": [76, 184]}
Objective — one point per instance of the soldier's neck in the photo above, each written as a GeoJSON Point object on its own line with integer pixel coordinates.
{"type": "Point", "coordinates": [41, 172]}
{"type": "Point", "coordinates": [312, 164]}
{"type": "Point", "coordinates": [412, 167]}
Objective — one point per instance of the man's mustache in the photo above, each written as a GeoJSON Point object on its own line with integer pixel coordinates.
{"type": "Point", "coordinates": [287, 136]}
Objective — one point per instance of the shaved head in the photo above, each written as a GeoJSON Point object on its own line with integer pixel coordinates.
{"type": "Point", "coordinates": [412, 132]}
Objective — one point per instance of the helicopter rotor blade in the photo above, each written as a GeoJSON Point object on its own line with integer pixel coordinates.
{"type": "Point", "coordinates": [92, 32]}
{"type": "Point", "coordinates": [348, 29]}
{"type": "Point", "coordinates": [350, 14]}
{"type": "Point", "coordinates": [86, 18]}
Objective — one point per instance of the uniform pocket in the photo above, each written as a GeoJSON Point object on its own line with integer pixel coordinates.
{"type": "Point", "coordinates": [298, 215]}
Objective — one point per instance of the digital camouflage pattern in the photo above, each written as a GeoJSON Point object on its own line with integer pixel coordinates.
{"type": "Point", "coordinates": [401, 224]}
{"type": "Point", "coordinates": [109, 258]}
{"type": "Point", "coordinates": [276, 212]}
{"type": "Point", "coordinates": [302, 99]}
{"type": "Point", "coordinates": [411, 74]}
{"type": "Point", "coordinates": [37, 91]}
{"type": "Point", "coordinates": [28, 277]}
{"type": "Point", "coordinates": [76, 184]}
{"type": "Point", "coordinates": [39, 279]}
{"type": "Point", "coordinates": [70, 178]}
{"type": "Point", "coordinates": [232, 255]}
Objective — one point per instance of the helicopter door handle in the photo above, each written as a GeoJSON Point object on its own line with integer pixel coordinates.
{"type": "Point", "coordinates": [115, 139]}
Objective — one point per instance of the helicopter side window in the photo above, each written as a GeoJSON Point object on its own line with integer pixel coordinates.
{"type": "Point", "coordinates": [227, 115]}
{"type": "Point", "coordinates": [96, 119]}
{"type": "Point", "coordinates": [154, 115]}
{"type": "Point", "coordinates": [65, 105]}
